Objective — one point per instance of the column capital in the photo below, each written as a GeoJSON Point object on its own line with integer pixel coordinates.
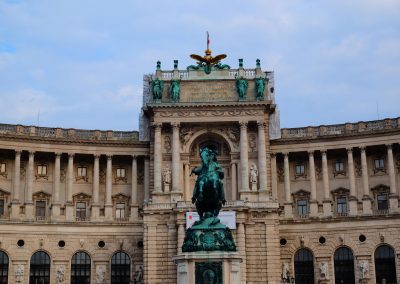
{"type": "Point", "coordinates": [146, 157]}
{"type": "Point", "coordinates": [31, 152]}
{"type": "Point", "coordinates": [58, 154]}
{"type": "Point", "coordinates": [349, 150]}
{"type": "Point", "coordinates": [157, 125]}
{"type": "Point", "coordinates": [175, 125]}
{"type": "Point", "coordinates": [71, 155]}
{"type": "Point", "coordinates": [18, 151]}
{"type": "Point", "coordinates": [243, 124]}
{"type": "Point", "coordinates": [109, 156]}
{"type": "Point", "coordinates": [233, 163]}
{"type": "Point", "coordinates": [389, 146]}
{"type": "Point", "coordinates": [310, 153]}
{"type": "Point", "coordinates": [273, 154]}
{"type": "Point", "coordinates": [96, 155]}
{"type": "Point", "coordinates": [286, 154]}
{"type": "Point", "coordinates": [186, 163]}
{"type": "Point", "coordinates": [323, 151]}
{"type": "Point", "coordinates": [134, 157]}
{"type": "Point", "coordinates": [261, 124]}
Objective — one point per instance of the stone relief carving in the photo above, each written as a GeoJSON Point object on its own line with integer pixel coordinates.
{"type": "Point", "coordinates": [252, 143]}
{"type": "Point", "coordinates": [101, 274]}
{"type": "Point", "coordinates": [63, 174]}
{"type": "Point", "coordinates": [166, 178]}
{"type": "Point", "coordinates": [285, 270]}
{"type": "Point", "coordinates": [138, 276]}
{"type": "Point", "coordinates": [23, 170]}
{"type": "Point", "coordinates": [364, 268]}
{"type": "Point", "coordinates": [323, 270]}
{"type": "Point", "coordinates": [19, 273]}
{"type": "Point", "coordinates": [253, 176]}
{"type": "Point", "coordinates": [167, 144]}
{"type": "Point", "coordinates": [185, 135]}
{"type": "Point", "coordinates": [357, 167]}
{"type": "Point", "coordinates": [232, 133]}
{"type": "Point", "coordinates": [60, 272]}
{"type": "Point", "coordinates": [102, 176]}
{"type": "Point", "coordinates": [140, 176]}
{"type": "Point", "coordinates": [208, 113]}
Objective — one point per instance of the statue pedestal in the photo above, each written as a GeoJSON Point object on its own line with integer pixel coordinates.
{"type": "Point", "coordinates": [215, 266]}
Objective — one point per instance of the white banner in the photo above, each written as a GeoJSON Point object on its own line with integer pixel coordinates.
{"type": "Point", "coordinates": [228, 218]}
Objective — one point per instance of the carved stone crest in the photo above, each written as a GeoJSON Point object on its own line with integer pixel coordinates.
{"type": "Point", "coordinates": [100, 274]}
{"type": "Point", "coordinates": [60, 272]}
{"type": "Point", "coordinates": [19, 273]}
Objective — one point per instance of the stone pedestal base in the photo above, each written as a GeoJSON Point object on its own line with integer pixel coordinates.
{"type": "Point", "coordinates": [108, 212]}
{"type": "Point", "coordinates": [55, 211]}
{"type": "Point", "coordinates": [15, 207]}
{"type": "Point", "coordinates": [327, 208]}
{"type": "Point", "coordinates": [248, 195]}
{"type": "Point", "coordinates": [176, 196]}
{"type": "Point", "coordinates": [367, 205]}
{"type": "Point", "coordinates": [314, 208]}
{"type": "Point", "coordinates": [323, 281]}
{"type": "Point", "coordinates": [187, 263]}
{"type": "Point", "coordinates": [264, 196]}
{"type": "Point", "coordinates": [394, 203]}
{"type": "Point", "coordinates": [95, 214]}
{"type": "Point", "coordinates": [69, 212]}
{"type": "Point", "coordinates": [29, 211]}
{"type": "Point", "coordinates": [134, 213]}
{"type": "Point", "coordinates": [353, 206]}
{"type": "Point", "coordinates": [288, 210]}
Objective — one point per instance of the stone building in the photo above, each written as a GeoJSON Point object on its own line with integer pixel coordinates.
{"type": "Point", "coordinates": [312, 204]}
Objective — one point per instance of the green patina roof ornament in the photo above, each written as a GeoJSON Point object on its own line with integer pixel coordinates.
{"type": "Point", "coordinates": [258, 64]}
{"type": "Point", "coordinates": [158, 65]}
{"type": "Point", "coordinates": [208, 63]}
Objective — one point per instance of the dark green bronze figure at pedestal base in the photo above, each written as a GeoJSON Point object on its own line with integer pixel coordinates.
{"type": "Point", "coordinates": [208, 234]}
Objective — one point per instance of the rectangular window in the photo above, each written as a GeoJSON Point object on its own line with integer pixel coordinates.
{"type": "Point", "coordinates": [82, 171]}
{"type": "Point", "coordinates": [3, 168]}
{"type": "Point", "coordinates": [42, 170]}
{"type": "Point", "coordinates": [1, 207]}
{"type": "Point", "coordinates": [81, 210]}
{"type": "Point", "coordinates": [302, 207]}
{"type": "Point", "coordinates": [120, 210]}
{"type": "Point", "coordinates": [41, 209]}
{"type": "Point", "coordinates": [379, 164]}
{"type": "Point", "coordinates": [341, 205]}
{"type": "Point", "coordinates": [300, 169]}
{"type": "Point", "coordinates": [339, 167]}
{"type": "Point", "coordinates": [120, 173]}
{"type": "Point", "coordinates": [382, 199]}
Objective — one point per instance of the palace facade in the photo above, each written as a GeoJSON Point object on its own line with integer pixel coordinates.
{"type": "Point", "coordinates": [312, 204]}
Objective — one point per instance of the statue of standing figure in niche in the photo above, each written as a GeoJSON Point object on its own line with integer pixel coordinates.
{"type": "Point", "coordinates": [253, 177]}
{"type": "Point", "coordinates": [364, 267]}
{"type": "Point", "coordinates": [241, 87]}
{"type": "Point", "coordinates": [175, 90]}
{"type": "Point", "coordinates": [157, 88]}
{"type": "Point", "coordinates": [260, 87]}
{"type": "Point", "coordinates": [167, 178]}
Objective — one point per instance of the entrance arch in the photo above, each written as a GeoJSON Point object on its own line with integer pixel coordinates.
{"type": "Point", "coordinates": [385, 264]}
{"type": "Point", "coordinates": [344, 266]}
{"type": "Point", "coordinates": [40, 268]}
{"type": "Point", "coordinates": [304, 266]}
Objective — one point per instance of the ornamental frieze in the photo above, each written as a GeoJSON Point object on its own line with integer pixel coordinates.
{"type": "Point", "coordinates": [208, 113]}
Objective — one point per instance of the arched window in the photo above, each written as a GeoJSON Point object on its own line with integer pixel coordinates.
{"type": "Point", "coordinates": [304, 266]}
{"type": "Point", "coordinates": [80, 268]}
{"type": "Point", "coordinates": [120, 268]}
{"type": "Point", "coordinates": [40, 268]}
{"type": "Point", "coordinates": [3, 268]}
{"type": "Point", "coordinates": [344, 266]}
{"type": "Point", "coordinates": [385, 264]}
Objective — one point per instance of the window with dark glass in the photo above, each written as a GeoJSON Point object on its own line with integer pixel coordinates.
{"type": "Point", "coordinates": [3, 268]}
{"type": "Point", "coordinates": [120, 268]}
{"type": "Point", "coordinates": [382, 200]}
{"type": "Point", "coordinates": [40, 268]}
{"type": "Point", "coordinates": [42, 170]}
{"type": "Point", "coordinates": [304, 267]}
{"type": "Point", "coordinates": [82, 171]}
{"type": "Point", "coordinates": [339, 167]}
{"type": "Point", "coordinates": [302, 207]}
{"type": "Point", "coordinates": [3, 168]}
{"type": "Point", "coordinates": [1, 208]}
{"type": "Point", "coordinates": [385, 264]}
{"type": "Point", "coordinates": [120, 210]}
{"type": "Point", "coordinates": [341, 203]}
{"type": "Point", "coordinates": [80, 268]}
{"type": "Point", "coordinates": [344, 266]}
{"type": "Point", "coordinates": [379, 164]}
{"type": "Point", "coordinates": [120, 173]}
{"type": "Point", "coordinates": [81, 210]}
{"type": "Point", "coordinates": [300, 169]}
{"type": "Point", "coordinates": [40, 208]}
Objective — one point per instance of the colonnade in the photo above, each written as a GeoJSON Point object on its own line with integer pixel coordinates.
{"type": "Point", "coordinates": [327, 201]}
{"type": "Point", "coordinates": [70, 175]}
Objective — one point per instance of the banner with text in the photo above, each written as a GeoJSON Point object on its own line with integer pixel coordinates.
{"type": "Point", "coordinates": [228, 218]}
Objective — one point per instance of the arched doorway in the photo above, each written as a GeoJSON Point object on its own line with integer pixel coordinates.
{"type": "Point", "coordinates": [304, 266]}
{"type": "Point", "coordinates": [80, 268]}
{"type": "Point", "coordinates": [120, 268]}
{"type": "Point", "coordinates": [385, 264]}
{"type": "Point", "coordinates": [3, 268]}
{"type": "Point", "coordinates": [219, 144]}
{"type": "Point", "coordinates": [344, 266]}
{"type": "Point", "coordinates": [39, 268]}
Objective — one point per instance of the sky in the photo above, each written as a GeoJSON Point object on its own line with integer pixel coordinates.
{"type": "Point", "coordinates": [80, 64]}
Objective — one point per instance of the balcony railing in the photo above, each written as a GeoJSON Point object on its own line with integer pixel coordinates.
{"type": "Point", "coordinates": [381, 212]}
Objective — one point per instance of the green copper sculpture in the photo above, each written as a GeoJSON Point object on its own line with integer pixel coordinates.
{"type": "Point", "coordinates": [260, 87]}
{"type": "Point", "coordinates": [241, 87]}
{"type": "Point", "coordinates": [174, 90]}
{"type": "Point", "coordinates": [157, 88]}
{"type": "Point", "coordinates": [208, 234]}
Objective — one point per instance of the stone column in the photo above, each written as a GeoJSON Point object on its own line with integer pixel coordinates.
{"type": "Point", "coordinates": [393, 198]}
{"type": "Point", "coordinates": [181, 236]}
{"type": "Point", "coordinates": [352, 180]}
{"type": "Point", "coordinates": [175, 157]}
{"type": "Point", "coordinates": [134, 201]}
{"type": "Point", "coordinates": [187, 181]}
{"type": "Point", "coordinates": [157, 157]}
{"type": "Point", "coordinates": [234, 181]}
{"type": "Point", "coordinates": [274, 177]}
{"type": "Point", "coordinates": [313, 186]}
{"type": "Point", "coordinates": [367, 202]}
{"type": "Point", "coordinates": [108, 206]}
{"type": "Point", "coordinates": [327, 204]}
{"type": "Point", "coordinates": [15, 203]}
{"type": "Point", "coordinates": [55, 207]}
{"type": "Point", "coordinates": [288, 196]}
{"type": "Point", "coordinates": [146, 180]}
{"type": "Point", "coordinates": [241, 243]}
{"type": "Point", "coordinates": [244, 157]}
{"type": "Point", "coordinates": [69, 207]}
{"type": "Point", "coordinates": [96, 184]}
{"type": "Point", "coordinates": [29, 212]}
{"type": "Point", "coordinates": [262, 158]}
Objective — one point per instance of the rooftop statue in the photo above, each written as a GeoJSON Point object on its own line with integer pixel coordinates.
{"type": "Point", "coordinates": [208, 234]}
{"type": "Point", "coordinates": [157, 88]}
